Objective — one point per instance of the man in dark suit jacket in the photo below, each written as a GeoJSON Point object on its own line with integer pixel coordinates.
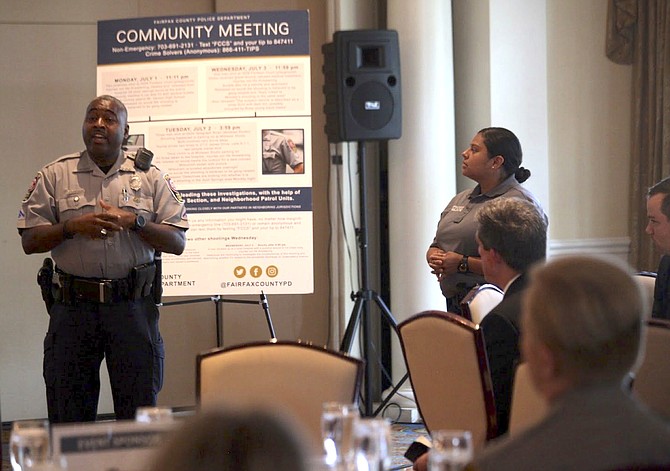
{"type": "Point", "coordinates": [661, 308]}
{"type": "Point", "coordinates": [658, 227]}
{"type": "Point", "coordinates": [512, 236]}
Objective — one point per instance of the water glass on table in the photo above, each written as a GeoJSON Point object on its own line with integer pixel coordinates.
{"type": "Point", "coordinates": [337, 421]}
{"type": "Point", "coordinates": [372, 444]}
{"type": "Point", "coordinates": [452, 450]}
{"type": "Point", "coordinates": [29, 444]}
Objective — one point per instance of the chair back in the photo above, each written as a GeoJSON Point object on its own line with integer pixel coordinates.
{"type": "Point", "coordinates": [286, 377]}
{"type": "Point", "coordinates": [479, 301]}
{"type": "Point", "coordinates": [648, 281]}
{"type": "Point", "coordinates": [528, 406]}
{"type": "Point", "coordinates": [447, 367]}
{"type": "Point", "coordinates": [652, 379]}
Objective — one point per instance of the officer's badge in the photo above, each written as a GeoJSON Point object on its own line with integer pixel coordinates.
{"type": "Point", "coordinates": [135, 182]}
{"type": "Point", "coordinates": [173, 189]}
{"type": "Point", "coordinates": [33, 185]}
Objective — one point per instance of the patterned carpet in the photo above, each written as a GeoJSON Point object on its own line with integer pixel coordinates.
{"type": "Point", "coordinates": [403, 436]}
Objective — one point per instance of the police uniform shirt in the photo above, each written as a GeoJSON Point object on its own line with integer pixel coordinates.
{"type": "Point", "coordinates": [277, 153]}
{"type": "Point", "coordinates": [457, 227]}
{"type": "Point", "coordinates": [73, 185]}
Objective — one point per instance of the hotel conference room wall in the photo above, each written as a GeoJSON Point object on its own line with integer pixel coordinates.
{"type": "Point", "coordinates": [48, 62]}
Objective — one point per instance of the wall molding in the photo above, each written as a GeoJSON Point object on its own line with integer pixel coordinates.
{"type": "Point", "coordinates": [617, 246]}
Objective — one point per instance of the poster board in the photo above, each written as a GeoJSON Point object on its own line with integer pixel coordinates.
{"type": "Point", "coordinates": [220, 100]}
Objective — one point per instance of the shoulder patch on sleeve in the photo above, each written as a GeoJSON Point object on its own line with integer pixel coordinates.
{"type": "Point", "coordinates": [32, 187]}
{"type": "Point", "coordinates": [173, 189]}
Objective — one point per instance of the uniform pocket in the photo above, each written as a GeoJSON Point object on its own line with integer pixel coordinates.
{"type": "Point", "coordinates": [135, 203]}
{"type": "Point", "coordinates": [75, 203]}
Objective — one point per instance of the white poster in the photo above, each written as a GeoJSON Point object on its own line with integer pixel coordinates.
{"type": "Point", "coordinates": [223, 102]}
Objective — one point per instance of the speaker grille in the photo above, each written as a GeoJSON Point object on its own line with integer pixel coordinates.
{"type": "Point", "coordinates": [372, 105]}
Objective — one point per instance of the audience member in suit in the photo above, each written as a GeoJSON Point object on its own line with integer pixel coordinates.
{"type": "Point", "coordinates": [218, 440]}
{"type": "Point", "coordinates": [512, 236]}
{"type": "Point", "coordinates": [583, 324]}
{"type": "Point", "coordinates": [658, 227]}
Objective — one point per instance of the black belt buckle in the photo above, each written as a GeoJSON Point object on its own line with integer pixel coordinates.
{"type": "Point", "coordinates": [100, 291]}
{"type": "Point", "coordinates": [105, 291]}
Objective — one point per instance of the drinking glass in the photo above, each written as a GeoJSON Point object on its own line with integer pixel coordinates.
{"type": "Point", "coordinates": [451, 451]}
{"type": "Point", "coordinates": [372, 444]}
{"type": "Point", "coordinates": [337, 420]}
{"type": "Point", "coordinates": [153, 414]}
{"type": "Point", "coordinates": [29, 444]}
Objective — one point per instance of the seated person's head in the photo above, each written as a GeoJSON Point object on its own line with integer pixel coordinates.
{"type": "Point", "coordinates": [516, 229]}
{"type": "Point", "coordinates": [583, 323]}
{"type": "Point", "coordinates": [217, 440]}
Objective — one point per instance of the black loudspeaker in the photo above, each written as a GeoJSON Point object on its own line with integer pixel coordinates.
{"type": "Point", "coordinates": [362, 86]}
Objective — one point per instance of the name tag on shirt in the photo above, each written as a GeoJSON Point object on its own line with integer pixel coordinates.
{"type": "Point", "coordinates": [457, 209]}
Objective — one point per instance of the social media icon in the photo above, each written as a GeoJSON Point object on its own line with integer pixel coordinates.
{"type": "Point", "coordinates": [240, 271]}
{"type": "Point", "coordinates": [255, 271]}
{"type": "Point", "coordinates": [272, 271]}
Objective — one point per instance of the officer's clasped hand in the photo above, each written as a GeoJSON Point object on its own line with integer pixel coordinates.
{"type": "Point", "coordinates": [101, 224]}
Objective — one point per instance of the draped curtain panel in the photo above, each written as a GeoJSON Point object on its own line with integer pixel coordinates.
{"type": "Point", "coordinates": [638, 33]}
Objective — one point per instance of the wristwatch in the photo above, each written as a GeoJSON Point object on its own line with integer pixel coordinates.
{"type": "Point", "coordinates": [463, 267]}
{"type": "Point", "coordinates": [140, 222]}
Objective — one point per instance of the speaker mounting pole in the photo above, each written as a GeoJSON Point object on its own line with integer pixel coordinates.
{"type": "Point", "coordinates": [365, 295]}
{"type": "Point", "coordinates": [362, 103]}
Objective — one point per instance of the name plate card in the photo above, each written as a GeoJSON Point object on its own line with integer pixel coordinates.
{"type": "Point", "coordinates": [108, 446]}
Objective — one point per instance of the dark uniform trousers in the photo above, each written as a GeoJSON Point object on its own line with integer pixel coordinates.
{"type": "Point", "coordinates": [80, 335]}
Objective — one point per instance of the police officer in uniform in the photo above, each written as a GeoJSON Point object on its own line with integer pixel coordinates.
{"type": "Point", "coordinates": [103, 216]}
{"type": "Point", "coordinates": [278, 152]}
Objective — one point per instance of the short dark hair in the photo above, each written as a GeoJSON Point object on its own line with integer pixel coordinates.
{"type": "Point", "coordinates": [241, 439]}
{"type": "Point", "coordinates": [119, 104]}
{"type": "Point", "coordinates": [516, 229]}
{"type": "Point", "coordinates": [662, 188]}
{"type": "Point", "coordinates": [501, 141]}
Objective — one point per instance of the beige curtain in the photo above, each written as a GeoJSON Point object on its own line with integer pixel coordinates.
{"type": "Point", "coordinates": [639, 34]}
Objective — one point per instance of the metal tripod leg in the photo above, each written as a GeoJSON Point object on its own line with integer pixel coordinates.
{"type": "Point", "coordinates": [363, 297]}
{"type": "Point", "coordinates": [345, 345]}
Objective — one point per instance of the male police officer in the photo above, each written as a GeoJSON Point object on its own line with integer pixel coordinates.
{"type": "Point", "coordinates": [103, 216]}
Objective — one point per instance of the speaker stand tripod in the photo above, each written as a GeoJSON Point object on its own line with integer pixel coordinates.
{"type": "Point", "coordinates": [364, 296]}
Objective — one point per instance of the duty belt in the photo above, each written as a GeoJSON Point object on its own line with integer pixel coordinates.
{"type": "Point", "coordinates": [98, 290]}
{"type": "Point", "coordinates": [71, 289]}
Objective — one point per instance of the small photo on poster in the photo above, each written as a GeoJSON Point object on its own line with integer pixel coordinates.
{"type": "Point", "coordinates": [283, 151]}
{"type": "Point", "coordinates": [133, 142]}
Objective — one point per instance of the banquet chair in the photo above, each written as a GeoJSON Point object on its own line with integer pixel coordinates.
{"type": "Point", "coordinates": [652, 379]}
{"type": "Point", "coordinates": [479, 301]}
{"type": "Point", "coordinates": [648, 281]}
{"type": "Point", "coordinates": [287, 377]}
{"type": "Point", "coordinates": [447, 366]}
{"type": "Point", "coordinates": [528, 406]}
